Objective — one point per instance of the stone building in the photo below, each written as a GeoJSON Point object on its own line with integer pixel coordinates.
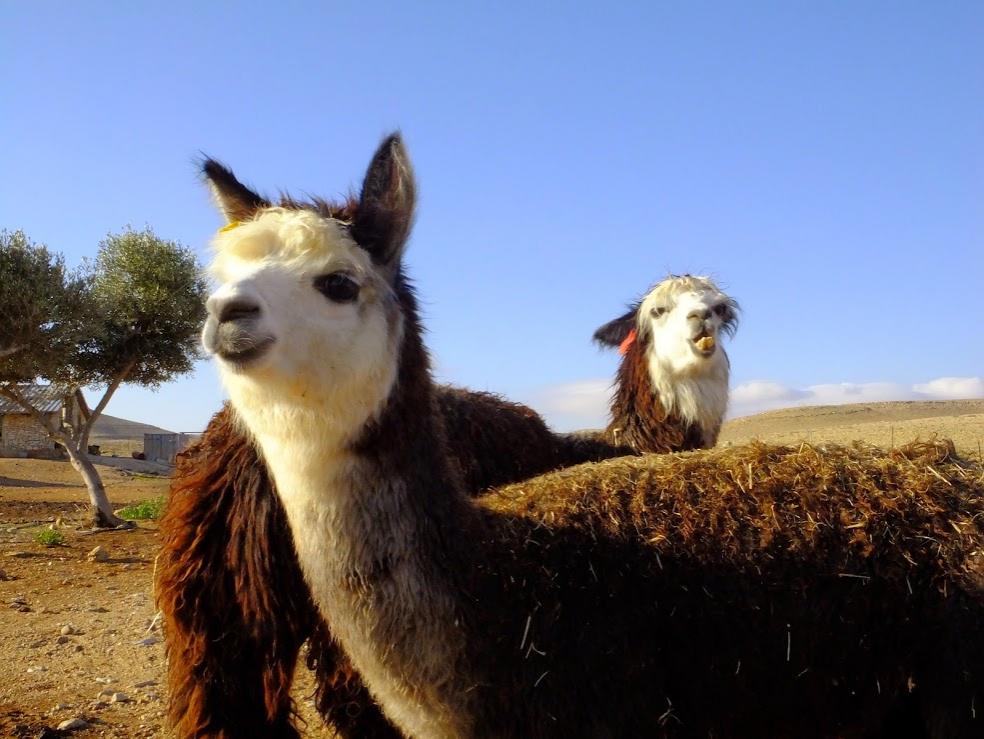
{"type": "Point", "coordinates": [21, 435]}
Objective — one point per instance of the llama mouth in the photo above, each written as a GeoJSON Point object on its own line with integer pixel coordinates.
{"type": "Point", "coordinates": [240, 358]}
{"type": "Point", "coordinates": [704, 344]}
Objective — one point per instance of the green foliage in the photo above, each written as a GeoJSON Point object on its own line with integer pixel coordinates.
{"type": "Point", "coordinates": [151, 297]}
{"type": "Point", "coordinates": [147, 509]}
{"type": "Point", "coordinates": [47, 313]}
{"type": "Point", "coordinates": [49, 538]}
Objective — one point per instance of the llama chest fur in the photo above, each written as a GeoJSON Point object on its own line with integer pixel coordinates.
{"type": "Point", "coordinates": [359, 559]}
{"type": "Point", "coordinates": [700, 398]}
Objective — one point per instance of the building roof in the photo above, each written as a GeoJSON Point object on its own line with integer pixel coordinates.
{"type": "Point", "coordinates": [46, 398]}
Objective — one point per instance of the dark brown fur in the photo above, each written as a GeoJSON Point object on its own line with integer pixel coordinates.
{"type": "Point", "coordinates": [230, 660]}
{"type": "Point", "coordinates": [638, 418]}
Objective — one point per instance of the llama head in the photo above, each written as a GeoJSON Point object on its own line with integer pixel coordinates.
{"type": "Point", "coordinates": [306, 316]}
{"type": "Point", "coordinates": [680, 322]}
{"type": "Point", "coordinates": [678, 327]}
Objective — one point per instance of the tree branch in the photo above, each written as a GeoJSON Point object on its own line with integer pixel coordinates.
{"type": "Point", "coordinates": [83, 404]}
{"type": "Point", "coordinates": [104, 400]}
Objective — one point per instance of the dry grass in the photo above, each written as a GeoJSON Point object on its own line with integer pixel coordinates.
{"type": "Point", "coordinates": [886, 425]}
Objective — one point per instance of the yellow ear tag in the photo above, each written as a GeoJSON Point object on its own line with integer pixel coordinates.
{"type": "Point", "coordinates": [228, 227]}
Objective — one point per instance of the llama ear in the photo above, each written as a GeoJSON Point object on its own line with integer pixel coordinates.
{"type": "Point", "coordinates": [613, 333]}
{"type": "Point", "coordinates": [385, 213]}
{"type": "Point", "coordinates": [236, 201]}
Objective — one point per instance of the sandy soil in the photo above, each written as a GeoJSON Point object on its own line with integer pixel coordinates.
{"type": "Point", "coordinates": [47, 677]}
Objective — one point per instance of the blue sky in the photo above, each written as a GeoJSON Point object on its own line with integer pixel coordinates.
{"type": "Point", "coordinates": [825, 161]}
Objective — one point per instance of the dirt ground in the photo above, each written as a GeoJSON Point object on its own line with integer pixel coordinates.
{"type": "Point", "coordinates": [79, 639]}
{"type": "Point", "coordinates": [108, 669]}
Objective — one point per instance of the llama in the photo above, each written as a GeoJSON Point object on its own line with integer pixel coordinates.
{"type": "Point", "coordinates": [759, 591]}
{"type": "Point", "coordinates": [671, 389]}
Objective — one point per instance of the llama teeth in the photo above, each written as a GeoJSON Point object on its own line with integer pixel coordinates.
{"type": "Point", "coordinates": [705, 344]}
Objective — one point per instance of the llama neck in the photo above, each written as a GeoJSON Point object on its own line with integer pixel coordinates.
{"type": "Point", "coordinates": [371, 516]}
{"type": "Point", "coordinates": [655, 409]}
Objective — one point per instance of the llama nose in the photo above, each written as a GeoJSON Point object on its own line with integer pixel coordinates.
{"type": "Point", "coordinates": [233, 309]}
{"type": "Point", "coordinates": [699, 315]}
{"type": "Point", "coordinates": [238, 310]}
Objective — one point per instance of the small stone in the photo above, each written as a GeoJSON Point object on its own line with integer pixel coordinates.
{"type": "Point", "coordinates": [105, 693]}
{"type": "Point", "coordinates": [104, 680]}
{"type": "Point", "coordinates": [145, 683]}
{"type": "Point", "coordinates": [62, 639]}
{"type": "Point", "coordinates": [69, 630]}
{"type": "Point", "coordinates": [72, 724]}
{"type": "Point", "coordinates": [19, 555]}
{"type": "Point", "coordinates": [62, 706]}
{"type": "Point", "coordinates": [40, 668]}
{"type": "Point", "coordinates": [98, 554]}
{"type": "Point", "coordinates": [149, 641]}
{"type": "Point", "coordinates": [119, 698]}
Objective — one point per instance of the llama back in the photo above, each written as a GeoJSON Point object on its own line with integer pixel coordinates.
{"type": "Point", "coordinates": [832, 580]}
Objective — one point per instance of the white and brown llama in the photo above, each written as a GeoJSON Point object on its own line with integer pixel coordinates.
{"type": "Point", "coordinates": [228, 581]}
{"type": "Point", "coordinates": [753, 592]}
{"type": "Point", "coordinates": [671, 388]}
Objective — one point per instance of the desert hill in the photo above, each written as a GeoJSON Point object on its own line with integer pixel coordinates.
{"type": "Point", "coordinates": [111, 427]}
{"type": "Point", "coordinates": [884, 424]}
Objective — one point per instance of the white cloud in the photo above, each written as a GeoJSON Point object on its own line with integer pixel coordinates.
{"type": "Point", "coordinates": [950, 388]}
{"type": "Point", "coordinates": [747, 398]}
{"type": "Point", "coordinates": [584, 404]}
{"type": "Point", "coordinates": [574, 405]}
{"type": "Point", "coordinates": [763, 392]}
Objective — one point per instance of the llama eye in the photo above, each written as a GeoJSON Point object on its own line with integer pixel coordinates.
{"type": "Point", "coordinates": [337, 287]}
{"type": "Point", "coordinates": [722, 310]}
{"type": "Point", "coordinates": [657, 312]}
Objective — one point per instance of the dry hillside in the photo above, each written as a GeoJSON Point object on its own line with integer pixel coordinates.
{"type": "Point", "coordinates": [884, 424]}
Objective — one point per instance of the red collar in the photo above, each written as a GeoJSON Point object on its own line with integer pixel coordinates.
{"type": "Point", "coordinates": [623, 348]}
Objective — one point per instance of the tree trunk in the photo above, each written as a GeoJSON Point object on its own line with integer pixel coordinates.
{"type": "Point", "coordinates": [102, 512]}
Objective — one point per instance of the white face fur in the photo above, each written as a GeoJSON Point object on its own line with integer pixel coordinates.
{"type": "Point", "coordinates": [685, 317]}
{"type": "Point", "coordinates": [302, 321]}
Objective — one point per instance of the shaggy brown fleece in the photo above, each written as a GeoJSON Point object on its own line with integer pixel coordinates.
{"type": "Point", "coordinates": [762, 591]}
{"type": "Point", "coordinates": [229, 663]}
{"type": "Point", "coordinates": [638, 418]}
{"type": "Point", "coordinates": [235, 604]}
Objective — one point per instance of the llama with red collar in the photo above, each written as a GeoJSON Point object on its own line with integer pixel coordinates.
{"type": "Point", "coordinates": [607, 600]}
{"type": "Point", "coordinates": [671, 389]}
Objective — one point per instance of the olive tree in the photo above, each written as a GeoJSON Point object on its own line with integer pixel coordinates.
{"type": "Point", "coordinates": [133, 317]}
